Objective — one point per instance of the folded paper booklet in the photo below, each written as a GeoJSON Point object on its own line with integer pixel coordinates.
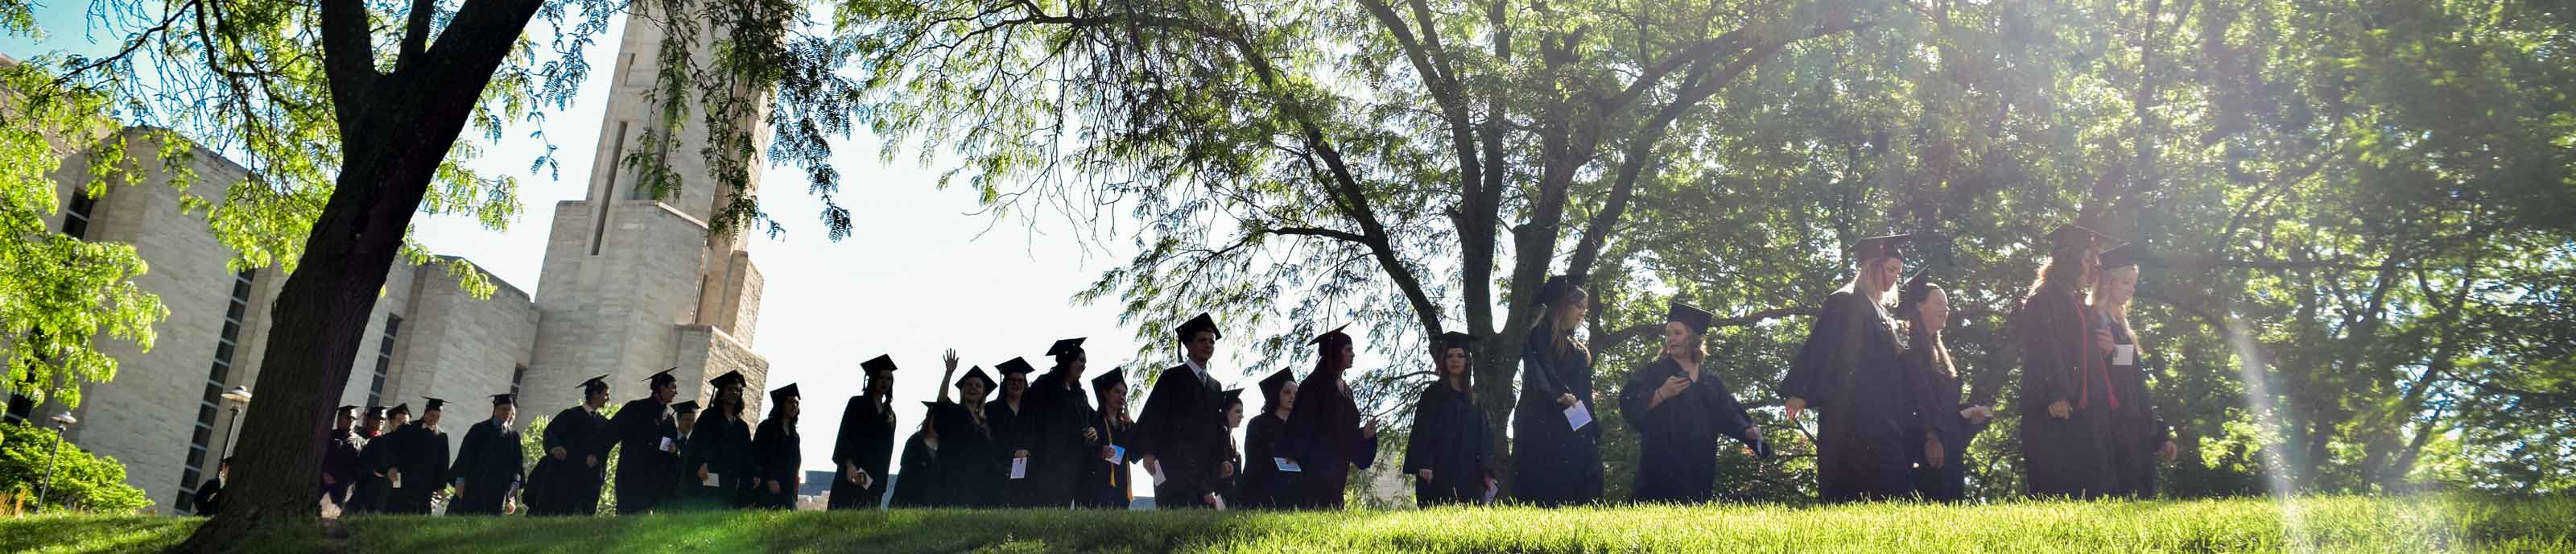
{"type": "Point", "coordinates": [711, 480]}
{"type": "Point", "coordinates": [666, 444]}
{"type": "Point", "coordinates": [397, 481]}
{"type": "Point", "coordinates": [1285, 465]}
{"type": "Point", "coordinates": [1117, 453]}
{"type": "Point", "coordinates": [1020, 468]}
{"type": "Point", "coordinates": [1578, 416]}
{"type": "Point", "coordinates": [2124, 354]}
{"type": "Point", "coordinates": [1220, 501]}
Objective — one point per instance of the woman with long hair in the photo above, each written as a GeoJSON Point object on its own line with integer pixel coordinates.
{"type": "Point", "coordinates": [2063, 345]}
{"type": "Point", "coordinates": [719, 451]}
{"type": "Point", "coordinates": [971, 462]}
{"type": "Point", "coordinates": [781, 451]}
{"type": "Point", "coordinates": [1448, 453]}
{"type": "Point", "coordinates": [1555, 462]}
{"type": "Point", "coordinates": [1062, 426]}
{"type": "Point", "coordinates": [1946, 424]}
{"type": "Point", "coordinates": [1326, 435]}
{"type": "Point", "coordinates": [1264, 483]}
{"type": "Point", "coordinates": [1105, 482]}
{"type": "Point", "coordinates": [2134, 438]}
{"type": "Point", "coordinates": [921, 475]}
{"type": "Point", "coordinates": [1681, 408]}
{"type": "Point", "coordinates": [1849, 373]}
{"type": "Point", "coordinates": [863, 447]}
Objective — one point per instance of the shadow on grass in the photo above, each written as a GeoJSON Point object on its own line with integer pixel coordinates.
{"type": "Point", "coordinates": [93, 534]}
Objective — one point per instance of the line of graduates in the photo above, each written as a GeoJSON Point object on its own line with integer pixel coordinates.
{"type": "Point", "coordinates": [1875, 373]}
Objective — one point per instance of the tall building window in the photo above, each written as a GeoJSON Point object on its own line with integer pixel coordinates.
{"type": "Point", "coordinates": [384, 360]}
{"type": "Point", "coordinates": [518, 374]}
{"type": "Point", "coordinates": [211, 404]}
{"type": "Point", "coordinates": [75, 225]}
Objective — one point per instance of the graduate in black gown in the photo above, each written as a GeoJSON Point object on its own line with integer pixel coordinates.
{"type": "Point", "coordinates": [918, 481]}
{"type": "Point", "coordinates": [1553, 462]}
{"type": "Point", "coordinates": [642, 432]}
{"type": "Point", "coordinates": [1173, 433]}
{"type": "Point", "coordinates": [2134, 439]}
{"type": "Point", "coordinates": [1014, 433]}
{"type": "Point", "coordinates": [1062, 436]}
{"type": "Point", "coordinates": [1326, 435]}
{"type": "Point", "coordinates": [1946, 423]}
{"type": "Point", "coordinates": [418, 467]}
{"type": "Point", "coordinates": [1264, 482]}
{"type": "Point", "coordinates": [576, 455]}
{"type": "Point", "coordinates": [972, 466]}
{"type": "Point", "coordinates": [865, 444]}
{"type": "Point", "coordinates": [209, 499]}
{"type": "Point", "coordinates": [369, 494]}
{"type": "Point", "coordinates": [488, 464]}
{"type": "Point", "coordinates": [340, 467]}
{"type": "Point", "coordinates": [683, 478]}
{"type": "Point", "coordinates": [1683, 409]}
{"type": "Point", "coordinates": [1229, 466]}
{"type": "Point", "coordinates": [780, 455]}
{"type": "Point", "coordinates": [1105, 481]}
{"type": "Point", "coordinates": [2063, 382]}
{"type": "Point", "coordinates": [1848, 372]}
{"type": "Point", "coordinates": [1450, 456]}
{"type": "Point", "coordinates": [719, 453]}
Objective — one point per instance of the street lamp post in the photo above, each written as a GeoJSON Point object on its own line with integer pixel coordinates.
{"type": "Point", "coordinates": [61, 421]}
{"type": "Point", "coordinates": [233, 399]}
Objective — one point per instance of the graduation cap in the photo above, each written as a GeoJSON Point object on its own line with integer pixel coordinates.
{"type": "Point", "coordinates": [1270, 385]}
{"type": "Point", "coordinates": [1454, 339]}
{"type": "Point", "coordinates": [1066, 347]}
{"type": "Point", "coordinates": [1114, 376]}
{"type": "Point", "coordinates": [377, 412]}
{"type": "Point", "coordinates": [881, 363]}
{"type": "Point", "coordinates": [1329, 335]}
{"type": "Point", "coordinates": [499, 399]}
{"type": "Point", "coordinates": [684, 408]}
{"type": "Point", "coordinates": [1200, 323]}
{"type": "Point", "coordinates": [1909, 298]}
{"type": "Point", "coordinates": [1696, 318]}
{"type": "Point", "coordinates": [346, 409]}
{"type": "Point", "coordinates": [1016, 366]}
{"type": "Point", "coordinates": [784, 393]}
{"type": "Point", "coordinates": [733, 378]}
{"type": "Point", "coordinates": [976, 375]}
{"type": "Point", "coordinates": [1232, 397]}
{"type": "Point", "coordinates": [594, 384]}
{"type": "Point", "coordinates": [1883, 246]}
{"type": "Point", "coordinates": [1559, 288]}
{"type": "Point", "coordinates": [433, 405]}
{"type": "Point", "coordinates": [2071, 236]}
{"type": "Point", "coordinates": [2119, 256]}
{"type": "Point", "coordinates": [403, 408]}
{"type": "Point", "coordinates": [662, 377]}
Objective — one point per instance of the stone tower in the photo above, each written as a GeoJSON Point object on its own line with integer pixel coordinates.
{"type": "Point", "coordinates": [633, 284]}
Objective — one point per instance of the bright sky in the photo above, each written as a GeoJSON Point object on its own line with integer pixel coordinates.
{"type": "Point", "coordinates": [919, 275]}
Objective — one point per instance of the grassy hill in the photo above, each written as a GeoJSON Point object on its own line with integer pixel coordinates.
{"type": "Point", "coordinates": [2333, 524]}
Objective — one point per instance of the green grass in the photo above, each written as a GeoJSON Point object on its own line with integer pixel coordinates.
{"type": "Point", "coordinates": [2332, 524]}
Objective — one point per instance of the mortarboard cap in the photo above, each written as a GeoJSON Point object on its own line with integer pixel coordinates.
{"type": "Point", "coordinates": [1270, 385]}
{"type": "Point", "coordinates": [1559, 288]}
{"type": "Point", "coordinates": [504, 398]}
{"type": "Point", "coordinates": [1199, 323]}
{"type": "Point", "coordinates": [2119, 256]}
{"type": "Point", "coordinates": [685, 407]}
{"type": "Point", "coordinates": [1066, 347]}
{"type": "Point", "coordinates": [733, 378]}
{"type": "Point", "coordinates": [599, 383]}
{"type": "Point", "coordinates": [658, 378]}
{"type": "Point", "coordinates": [1016, 366]}
{"type": "Point", "coordinates": [976, 375]}
{"type": "Point", "coordinates": [1884, 246]}
{"type": "Point", "coordinates": [1336, 332]}
{"type": "Point", "coordinates": [2072, 236]}
{"type": "Point", "coordinates": [433, 405]}
{"type": "Point", "coordinates": [1105, 379]}
{"type": "Point", "coordinates": [784, 393]}
{"type": "Point", "coordinates": [1696, 318]}
{"type": "Point", "coordinates": [881, 363]}
{"type": "Point", "coordinates": [1454, 339]}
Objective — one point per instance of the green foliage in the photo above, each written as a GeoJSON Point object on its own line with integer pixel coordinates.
{"type": "Point", "coordinates": [60, 294]}
{"type": "Point", "coordinates": [82, 481]}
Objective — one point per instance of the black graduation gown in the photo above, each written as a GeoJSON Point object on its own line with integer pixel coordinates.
{"type": "Point", "coordinates": [340, 461]}
{"type": "Point", "coordinates": [1229, 473]}
{"type": "Point", "coordinates": [970, 468]}
{"type": "Point", "coordinates": [918, 483]}
{"type": "Point", "coordinates": [421, 454]}
{"type": "Point", "coordinates": [2134, 434]}
{"type": "Point", "coordinates": [1263, 484]}
{"type": "Point", "coordinates": [1553, 463]}
{"type": "Point", "coordinates": [1937, 405]}
{"type": "Point", "coordinates": [1178, 428]}
{"type": "Point", "coordinates": [1057, 448]}
{"type": "Point", "coordinates": [209, 499]}
{"type": "Point", "coordinates": [1013, 430]}
{"type": "Point", "coordinates": [1449, 439]}
{"type": "Point", "coordinates": [722, 447]}
{"type": "Point", "coordinates": [368, 494]}
{"type": "Point", "coordinates": [489, 464]}
{"type": "Point", "coordinates": [571, 485]}
{"type": "Point", "coordinates": [1677, 453]}
{"type": "Point", "coordinates": [1323, 437]}
{"type": "Point", "coordinates": [865, 441]}
{"type": "Point", "coordinates": [780, 460]}
{"type": "Point", "coordinates": [2063, 457]}
{"type": "Point", "coordinates": [637, 433]}
{"type": "Point", "coordinates": [1848, 372]}
{"type": "Point", "coordinates": [1105, 484]}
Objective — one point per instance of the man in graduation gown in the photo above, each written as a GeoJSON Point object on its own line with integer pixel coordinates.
{"type": "Point", "coordinates": [369, 494]}
{"type": "Point", "coordinates": [719, 453]}
{"type": "Point", "coordinates": [1680, 415]}
{"type": "Point", "coordinates": [1061, 438]}
{"type": "Point", "coordinates": [684, 472]}
{"type": "Point", "coordinates": [2062, 346]}
{"type": "Point", "coordinates": [779, 456]}
{"type": "Point", "coordinates": [1264, 483]}
{"type": "Point", "coordinates": [418, 468]}
{"type": "Point", "coordinates": [1850, 373]}
{"type": "Point", "coordinates": [487, 468]}
{"type": "Point", "coordinates": [340, 468]}
{"type": "Point", "coordinates": [1448, 453]}
{"type": "Point", "coordinates": [1014, 433]}
{"type": "Point", "coordinates": [865, 444]}
{"type": "Point", "coordinates": [643, 430]}
{"type": "Point", "coordinates": [1105, 481]}
{"type": "Point", "coordinates": [1327, 435]}
{"type": "Point", "coordinates": [209, 499]}
{"type": "Point", "coordinates": [1179, 422]}
{"type": "Point", "coordinates": [576, 454]}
